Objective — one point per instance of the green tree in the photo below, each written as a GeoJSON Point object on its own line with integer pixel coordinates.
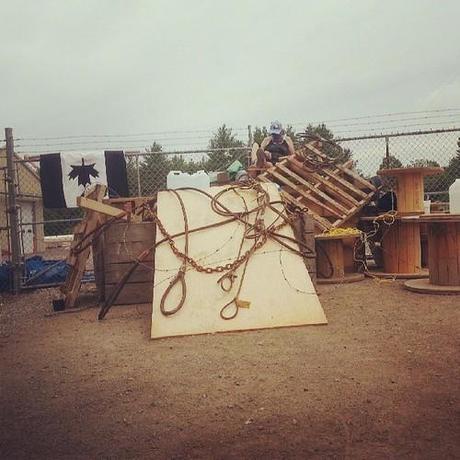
{"type": "Point", "coordinates": [153, 169]}
{"type": "Point", "coordinates": [448, 177]}
{"type": "Point", "coordinates": [131, 172]}
{"type": "Point", "coordinates": [424, 163]}
{"type": "Point", "coordinates": [179, 163]}
{"type": "Point", "coordinates": [331, 149]}
{"type": "Point", "coordinates": [452, 170]}
{"type": "Point", "coordinates": [224, 138]}
{"type": "Point", "coordinates": [260, 134]}
{"type": "Point", "coordinates": [430, 183]}
{"type": "Point", "coordinates": [390, 162]}
{"type": "Point", "coordinates": [319, 130]}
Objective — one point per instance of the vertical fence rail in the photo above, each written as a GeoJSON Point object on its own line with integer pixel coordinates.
{"type": "Point", "coordinates": [12, 212]}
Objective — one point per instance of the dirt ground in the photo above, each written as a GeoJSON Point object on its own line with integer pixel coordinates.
{"type": "Point", "coordinates": [380, 381]}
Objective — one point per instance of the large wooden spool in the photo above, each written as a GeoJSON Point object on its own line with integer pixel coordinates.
{"type": "Point", "coordinates": [335, 261]}
{"type": "Point", "coordinates": [402, 252]}
{"type": "Point", "coordinates": [443, 256]}
{"type": "Point", "coordinates": [409, 187]}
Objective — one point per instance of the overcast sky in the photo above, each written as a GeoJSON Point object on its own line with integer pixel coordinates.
{"type": "Point", "coordinates": [111, 66]}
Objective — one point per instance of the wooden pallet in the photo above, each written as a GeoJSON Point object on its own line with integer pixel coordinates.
{"type": "Point", "coordinates": [330, 193]}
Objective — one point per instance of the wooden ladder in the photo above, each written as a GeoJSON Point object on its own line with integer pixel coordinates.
{"type": "Point", "coordinates": [77, 259]}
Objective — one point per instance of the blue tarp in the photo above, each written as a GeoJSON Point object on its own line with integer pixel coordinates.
{"type": "Point", "coordinates": [38, 271]}
{"type": "Point", "coordinates": [5, 277]}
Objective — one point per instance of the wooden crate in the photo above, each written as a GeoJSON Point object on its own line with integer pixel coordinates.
{"type": "Point", "coordinates": [330, 193]}
{"type": "Point", "coordinates": [122, 244]}
{"type": "Point", "coordinates": [128, 204]}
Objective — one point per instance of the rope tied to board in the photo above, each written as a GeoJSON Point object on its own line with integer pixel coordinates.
{"type": "Point", "coordinates": [255, 231]}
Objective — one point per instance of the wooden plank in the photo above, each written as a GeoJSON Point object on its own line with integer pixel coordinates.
{"type": "Point", "coordinates": [308, 197]}
{"type": "Point", "coordinates": [350, 186]}
{"type": "Point", "coordinates": [309, 240]}
{"type": "Point", "coordinates": [453, 251]}
{"type": "Point", "coordinates": [289, 299]}
{"type": "Point", "coordinates": [125, 252]}
{"type": "Point", "coordinates": [123, 200]}
{"type": "Point", "coordinates": [313, 189]}
{"type": "Point", "coordinates": [297, 166]}
{"type": "Point", "coordinates": [129, 204]}
{"type": "Point", "coordinates": [132, 293]}
{"type": "Point", "coordinates": [128, 231]}
{"type": "Point", "coordinates": [423, 170]}
{"type": "Point", "coordinates": [303, 227]}
{"type": "Point", "coordinates": [98, 263]}
{"type": "Point", "coordinates": [114, 272]}
{"type": "Point", "coordinates": [97, 206]}
{"type": "Point", "coordinates": [443, 254]}
{"type": "Point", "coordinates": [321, 222]}
{"type": "Point", "coordinates": [262, 177]}
{"type": "Point", "coordinates": [78, 261]}
{"type": "Point", "coordinates": [433, 255]}
{"type": "Point", "coordinates": [366, 184]}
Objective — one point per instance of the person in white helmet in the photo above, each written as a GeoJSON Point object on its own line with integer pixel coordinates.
{"type": "Point", "coordinates": [274, 147]}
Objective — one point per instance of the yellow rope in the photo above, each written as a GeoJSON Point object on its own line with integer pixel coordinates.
{"type": "Point", "coordinates": [348, 231]}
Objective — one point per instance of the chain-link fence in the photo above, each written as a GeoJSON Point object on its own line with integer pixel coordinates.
{"type": "Point", "coordinates": [429, 148]}
{"type": "Point", "coordinates": [45, 234]}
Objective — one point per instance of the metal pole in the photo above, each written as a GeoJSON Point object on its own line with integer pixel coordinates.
{"type": "Point", "coordinates": [248, 157]}
{"type": "Point", "coordinates": [13, 212]}
{"type": "Point", "coordinates": [139, 192]}
{"type": "Point", "coordinates": [387, 152]}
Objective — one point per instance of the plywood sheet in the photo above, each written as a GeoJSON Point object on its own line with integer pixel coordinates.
{"type": "Point", "coordinates": [276, 283]}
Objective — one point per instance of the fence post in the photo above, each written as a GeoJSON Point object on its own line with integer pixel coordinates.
{"type": "Point", "coordinates": [13, 212]}
{"type": "Point", "coordinates": [387, 151]}
{"type": "Point", "coordinates": [248, 159]}
{"type": "Point", "coordinates": [138, 176]}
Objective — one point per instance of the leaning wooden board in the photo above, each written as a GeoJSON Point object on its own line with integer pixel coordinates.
{"type": "Point", "coordinates": [276, 284]}
{"type": "Point", "coordinates": [123, 243]}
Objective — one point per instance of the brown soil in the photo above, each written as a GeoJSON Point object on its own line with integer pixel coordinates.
{"type": "Point", "coordinates": [380, 381]}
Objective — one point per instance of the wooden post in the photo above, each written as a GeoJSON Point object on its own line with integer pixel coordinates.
{"type": "Point", "coordinates": [77, 261]}
{"type": "Point", "coordinates": [13, 212]}
{"type": "Point", "coordinates": [303, 228]}
{"type": "Point", "coordinates": [309, 240]}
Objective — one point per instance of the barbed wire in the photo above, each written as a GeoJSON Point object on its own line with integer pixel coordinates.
{"type": "Point", "coordinates": [129, 153]}
{"type": "Point", "coordinates": [457, 122]}
{"type": "Point", "coordinates": [145, 141]}
{"type": "Point", "coordinates": [383, 115]}
{"type": "Point", "coordinates": [394, 117]}
{"type": "Point", "coordinates": [395, 120]}
{"type": "Point", "coordinates": [151, 133]}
